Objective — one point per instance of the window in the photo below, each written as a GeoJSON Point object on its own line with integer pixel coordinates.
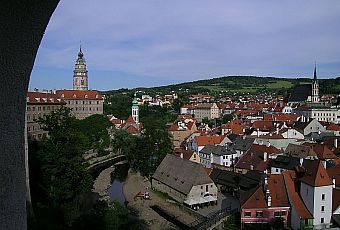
{"type": "Point", "coordinates": [322, 220]}
{"type": "Point", "coordinates": [201, 187]}
{"type": "Point", "coordinates": [259, 214]}
{"type": "Point", "coordinates": [206, 188]}
{"type": "Point", "coordinates": [306, 222]}
{"type": "Point", "coordinates": [280, 213]}
{"type": "Point", "coordinates": [322, 208]}
{"type": "Point", "coordinates": [323, 196]}
{"type": "Point", "coordinates": [247, 214]}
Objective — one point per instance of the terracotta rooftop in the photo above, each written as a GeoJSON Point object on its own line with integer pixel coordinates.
{"type": "Point", "coordinates": [277, 190]}
{"type": "Point", "coordinates": [316, 174]}
{"type": "Point", "coordinates": [79, 94]}
{"type": "Point", "coordinates": [43, 98]}
{"type": "Point", "coordinates": [322, 151]}
{"type": "Point", "coordinates": [295, 199]}
{"type": "Point", "coordinates": [211, 140]}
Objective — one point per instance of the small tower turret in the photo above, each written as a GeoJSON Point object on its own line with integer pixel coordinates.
{"type": "Point", "coordinates": [135, 109]}
{"type": "Point", "coordinates": [80, 78]}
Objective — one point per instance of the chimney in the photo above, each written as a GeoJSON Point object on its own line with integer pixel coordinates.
{"type": "Point", "coordinates": [265, 156]}
{"type": "Point", "coordinates": [336, 143]}
{"type": "Point", "coordinates": [269, 200]}
{"type": "Point", "coordinates": [258, 132]}
{"type": "Point", "coordinates": [268, 144]}
{"type": "Point", "coordinates": [334, 182]}
{"type": "Point", "coordinates": [181, 155]}
{"type": "Point", "coordinates": [301, 161]}
{"type": "Point", "coordinates": [251, 167]}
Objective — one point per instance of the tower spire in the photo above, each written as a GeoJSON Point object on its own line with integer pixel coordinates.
{"type": "Point", "coordinates": [314, 76]}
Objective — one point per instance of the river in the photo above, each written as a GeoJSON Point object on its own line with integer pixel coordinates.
{"type": "Point", "coordinates": [115, 191]}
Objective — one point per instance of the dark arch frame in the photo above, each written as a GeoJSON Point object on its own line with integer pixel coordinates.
{"type": "Point", "coordinates": [22, 26]}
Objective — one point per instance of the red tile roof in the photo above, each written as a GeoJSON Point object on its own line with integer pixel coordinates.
{"type": "Point", "coordinates": [322, 151]}
{"type": "Point", "coordinates": [253, 199]}
{"type": "Point", "coordinates": [333, 127]}
{"type": "Point", "coordinates": [211, 140]}
{"type": "Point", "coordinates": [235, 126]}
{"type": "Point", "coordinates": [316, 174]}
{"type": "Point", "coordinates": [295, 199]}
{"type": "Point", "coordinates": [277, 190]}
{"type": "Point", "coordinates": [43, 98]}
{"type": "Point", "coordinates": [79, 94]}
{"type": "Point", "coordinates": [263, 125]}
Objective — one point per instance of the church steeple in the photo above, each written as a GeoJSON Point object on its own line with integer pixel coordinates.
{"type": "Point", "coordinates": [314, 76]}
{"type": "Point", "coordinates": [315, 87]}
{"type": "Point", "coordinates": [80, 78]}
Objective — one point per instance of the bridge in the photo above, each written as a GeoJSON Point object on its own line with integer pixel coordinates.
{"type": "Point", "coordinates": [97, 164]}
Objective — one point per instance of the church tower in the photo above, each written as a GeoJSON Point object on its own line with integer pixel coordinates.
{"type": "Point", "coordinates": [80, 79]}
{"type": "Point", "coordinates": [315, 88]}
{"type": "Point", "coordinates": [135, 109]}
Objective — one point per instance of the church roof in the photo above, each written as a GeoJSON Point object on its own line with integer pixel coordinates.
{"type": "Point", "coordinates": [300, 93]}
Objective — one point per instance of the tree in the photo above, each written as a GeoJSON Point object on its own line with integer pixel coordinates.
{"type": "Point", "coordinates": [65, 179]}
{"type": "Point", "coordinates": [95, 128]}
{"type": "Point", "coordinates": [226, 118]}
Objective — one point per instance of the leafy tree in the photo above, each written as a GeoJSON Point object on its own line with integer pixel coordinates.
{"type": "Point", "coordinates": [65, 179]}
{"type": "Point", "coordinates": [226, 118]}
{"type": "Point", "coordinates": [95, 128]}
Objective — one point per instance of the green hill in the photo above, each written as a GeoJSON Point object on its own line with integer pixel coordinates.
{"type": "Point", "coordinates": [240, 84]}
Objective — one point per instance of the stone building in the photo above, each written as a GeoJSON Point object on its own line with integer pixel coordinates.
{"type": "Point", "coordinates": [38, 105]}
{"type": "Point", "coordinates": [83, 103]}
{"type": "Point", "coordinates": [185, 181]}
{"type": "Point", "coordinates": [206, 110]}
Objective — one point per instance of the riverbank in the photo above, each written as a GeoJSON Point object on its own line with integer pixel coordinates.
{"type": "Point", "coordinates": [103, 182]}
{"type": "Point", "coordinates": [135, 183]}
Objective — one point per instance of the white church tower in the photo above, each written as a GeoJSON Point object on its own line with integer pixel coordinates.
{"type": "Point", "coordinates": [135, 109]}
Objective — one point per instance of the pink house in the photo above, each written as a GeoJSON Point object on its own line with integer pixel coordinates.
{"type": "Point", "coordinates": [265, 203]}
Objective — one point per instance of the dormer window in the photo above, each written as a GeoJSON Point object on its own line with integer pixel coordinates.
{"type": "Point", "coordinates": [62, 95]}
{"type": "Point", "coordinates": [86, 96]}
{"type": "Point", "coordinates": [74, 96]}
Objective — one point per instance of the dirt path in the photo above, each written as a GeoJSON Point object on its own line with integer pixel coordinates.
{"type": "Point", "coordinates": [135, 183]}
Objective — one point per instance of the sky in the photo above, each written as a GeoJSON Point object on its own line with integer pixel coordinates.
{"type": "Point", "coordinates": [135, 43]}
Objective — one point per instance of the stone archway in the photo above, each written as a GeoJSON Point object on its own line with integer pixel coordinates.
{"type": "Point", "coordinates": [22, 25]}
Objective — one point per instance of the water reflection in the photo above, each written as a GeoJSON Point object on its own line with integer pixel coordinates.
{"type": "Point", "coordinates": [116, 190]}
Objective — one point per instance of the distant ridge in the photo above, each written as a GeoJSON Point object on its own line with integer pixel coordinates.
{"type": "Point", "coordinates": [243, 84]}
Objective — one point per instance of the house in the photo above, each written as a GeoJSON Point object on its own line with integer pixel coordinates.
{"type": "Point", "coordinates": [220, 155]}
{"type": "Point", "coordinates": [322, 151]}
{"type": "Point", "coordinates": [300, 151]}
{"type": "Point", "coordinates": [334, 128]}
{"type": "Point", "coordinates": [199, 142]}
{"type": "Point", "coordinates": [256, 158]}
{"type": "Point", "coordinates": [185, 181]}
{"type": "Point", "coordinates": [233, 127]}
{"type": "Point", "coordinates": [316, 190]}
{"type": "Point", "coordinates": [182, 129]}
{"type": "Point", "coordinates": [242, 145]}
{"type": "Point", "coordinates": [206, 110]}
{"type": "Point", "coordinates": [187, 154]}
{"type": "Point", "coordinates": [300, 216]}
{"type": "Point", "coordinates": [260, 206]}
{"type": "Point", "coordinates": [312, 126]}
{"type": "Point", "coordinates": [282, 163]}
{"type": "Point", "coordinates": [291, 133]}
{"type": "Point", "coordinates": [233, 182]}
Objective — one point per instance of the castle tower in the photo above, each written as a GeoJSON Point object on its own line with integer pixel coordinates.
{"type": "Point", "coordinates": [135, 109]}
{"type": "Point", "coordinates": [315, 87]}
{"type": "Point", "coordinates": [80, 79]}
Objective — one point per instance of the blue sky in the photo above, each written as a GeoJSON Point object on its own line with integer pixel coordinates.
{"type": "Point", "coordinates": [152, 42]}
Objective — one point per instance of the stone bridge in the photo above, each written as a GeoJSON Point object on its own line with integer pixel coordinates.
{"type": "Point", "coordinates": [97, 164]}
